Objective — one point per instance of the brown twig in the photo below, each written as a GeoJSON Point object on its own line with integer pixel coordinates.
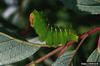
{"type": "Point", "coordinates": [92, 31]}
{"type": "Point", "coordinates": [71, 43]}
{"type": "Point", "coordinates": [63, 48]}
{"type": "Point", "coordinates": [66, 46]}
{"type": "Point", "coordinates": [99, 44]}
{"type": "Point", "coordinates": [46, 56]}
{"type": "Point", "coordinates": [81, 42]}
{"type": "Point", "coordinates": [51, 53]}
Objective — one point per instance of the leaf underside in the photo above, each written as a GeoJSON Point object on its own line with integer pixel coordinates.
{"type": "Point", "coordinates": [64, 59]}
{"type": "Point", "coordinates": [83, 6]}
{"type": "Point", "coordinates": [12, 50]}
{"type": "Point", "coordinates": [94, 57]}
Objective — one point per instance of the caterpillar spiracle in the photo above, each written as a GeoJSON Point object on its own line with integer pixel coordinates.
{"type": "Point", "coordinates": [51, 35]}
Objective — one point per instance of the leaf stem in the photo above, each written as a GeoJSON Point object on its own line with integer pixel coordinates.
{"type": "Point", "coordinates": [92, 31]}
{"type": "Point", "coordinates": [66, 46]}
{"type": "Point", "coordinates": [63, 48]}
{"type": "Point", "coordinates": [99, 44]}
{"type": "Point", "coordinates": [81, 42]}
{"type": "Point", "coordinates": [46, 56]}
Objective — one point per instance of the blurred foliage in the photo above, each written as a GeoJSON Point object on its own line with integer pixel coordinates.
{"type": "Point", "coordinates": [14, 20]}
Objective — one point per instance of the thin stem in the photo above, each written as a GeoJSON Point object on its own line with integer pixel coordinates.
{"type": "Point", "coordinates": [70, 43]}
{"type": "Point", "coordinates": [63, 48]}
{"type": "Point", "coordinates": [83, 37]}
{"type": "Point", "coordinates": [51, 53]}
{"type": "Point", "coordinates": [46, 56]}
{"type": "Point", "coordinates": [67, 45]}
{"type": "Point", "coordinates": [99, 44]}
{"type": "Point", "coordinates": [81, 42]}
{"type": "Point", "coordinates": [92, 31]}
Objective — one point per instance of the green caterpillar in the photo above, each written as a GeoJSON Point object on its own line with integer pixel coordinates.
{"type": "Point", "coordinates": [53, 36]}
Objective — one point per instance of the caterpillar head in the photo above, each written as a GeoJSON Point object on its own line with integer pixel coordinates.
{"type": "Point", "coordinates": [32, 18]}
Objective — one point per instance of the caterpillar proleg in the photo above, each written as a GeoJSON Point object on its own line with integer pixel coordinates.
{"type": "Point", "coordinates": [53, 36]}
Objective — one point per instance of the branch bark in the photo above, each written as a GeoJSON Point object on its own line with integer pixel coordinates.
{"type": "Point", "coordinates": [64, 48]}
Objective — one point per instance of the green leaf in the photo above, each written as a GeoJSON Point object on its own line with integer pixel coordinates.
{"type": "Point", "coordinates": [92, 9]}
{"type": "Point", "coordinates": [94, 57]}
{"type": "Point", "coordinates": [97, 1]}
{"type": "Point", "coordinates": [87, 2]}
{"type": "Point", "coordinates": [64, 59]}
{"type": "Point", "coordinates": [83, 6]}
{"type": "Point", "coordinates": [14, 50]}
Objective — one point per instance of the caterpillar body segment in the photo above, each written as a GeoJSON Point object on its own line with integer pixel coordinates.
{"type": "Point", "coordinates": [39, 24]}
{"type": "Point", "coordinates": [52, 35]}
